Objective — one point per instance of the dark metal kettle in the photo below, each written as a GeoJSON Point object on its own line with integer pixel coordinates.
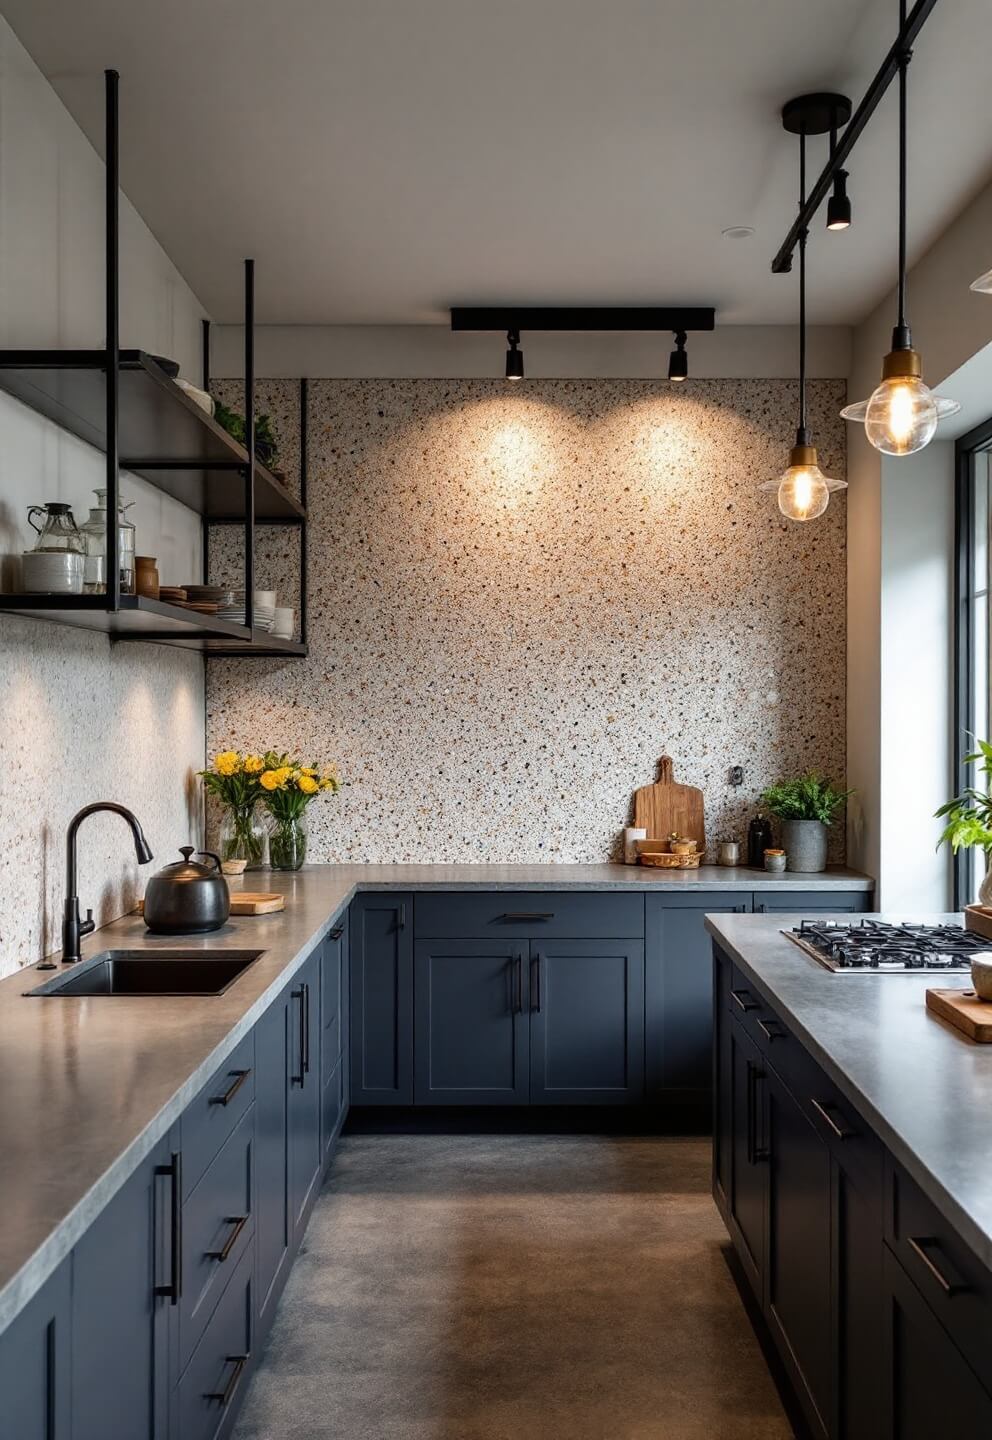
{"type": "Point", "coordinates": [187, 898]}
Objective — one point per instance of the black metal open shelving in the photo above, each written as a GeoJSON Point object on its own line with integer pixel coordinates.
{"type": "Point", "coordinates": [125, 404]}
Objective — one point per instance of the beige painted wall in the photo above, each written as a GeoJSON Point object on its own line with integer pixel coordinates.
{"type": "Point", "coordinates": [521, 595]}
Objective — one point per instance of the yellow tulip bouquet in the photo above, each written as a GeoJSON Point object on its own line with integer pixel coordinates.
{"type": "Point", "coordinates": [287, 787]}
{"type": "Point", "coordinates": [233, 781]}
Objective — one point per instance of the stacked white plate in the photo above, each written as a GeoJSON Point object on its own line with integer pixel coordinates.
{"type": "Point", "coordinates": [264, 612]}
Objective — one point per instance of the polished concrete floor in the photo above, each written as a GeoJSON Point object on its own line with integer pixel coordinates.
{"type": "Point", "coordinates": [503, 1288]}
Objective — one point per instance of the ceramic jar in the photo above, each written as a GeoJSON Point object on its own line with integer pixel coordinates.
{"type": "Point", "coordinates": [775, 861]}
{"type": "Point", "coordinates": [146, 578]}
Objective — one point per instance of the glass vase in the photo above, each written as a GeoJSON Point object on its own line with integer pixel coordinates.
{"type": "Point", "coordinates": [242, 837]}
{"type": "Point", "coordinates": [287, 843]}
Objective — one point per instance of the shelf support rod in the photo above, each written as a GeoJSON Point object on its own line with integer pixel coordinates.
{"type": "Point", "coordinates": [205, 348]}
{"type": "Point", "coordinates": [113, 338]}
{"type": "Point", "coordinates": [250, 444]}
{"type": "Point", "coordinates": [304, 465]}
{"type": "Point", "coordinates": [853, 130]}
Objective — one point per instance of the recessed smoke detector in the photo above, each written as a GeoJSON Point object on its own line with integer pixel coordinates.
{"type": "Point", "coordinates": [738, 232]}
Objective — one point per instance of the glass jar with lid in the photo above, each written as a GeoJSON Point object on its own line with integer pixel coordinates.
{"type": "Point", "coordinates": [55, 565]}
{"type": "Point", "coordinates": [94, 533]}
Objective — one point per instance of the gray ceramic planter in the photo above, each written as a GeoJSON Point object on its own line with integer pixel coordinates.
{"type": "Point", "coordinates": [805, 845]}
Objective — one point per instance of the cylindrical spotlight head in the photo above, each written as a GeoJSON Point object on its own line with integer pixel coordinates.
{"type": "Point", "coordinates": [678, 361]}
{"type": "Point", "coordinates": [839, 205]}
{"type": "Point", "coordinates": [514, 356]}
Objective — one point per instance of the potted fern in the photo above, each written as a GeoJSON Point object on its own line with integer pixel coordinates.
{"type": "Point", "coordinates": [806, 808]}
{"type": "Point", "coordinates": [969, 817]}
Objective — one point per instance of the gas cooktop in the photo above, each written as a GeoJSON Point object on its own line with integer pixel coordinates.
{"type": "Point", "coordinates": [875, 947]}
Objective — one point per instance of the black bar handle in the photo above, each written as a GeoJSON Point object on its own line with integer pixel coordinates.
{"type": "Point", "coordinates": [759, 909]}
{"type": "Point", "coordinates": [761, 1152]}
{"type": "Point", "coordinates": [773, 1030]}
{"type": "Point", "coordinates": [920, 1246]}
{"type": "Point", "coordinates": [306, 1028]}
{"type": "Point", "coordinates": [515, 916]}
{"type": "Point", "coordinates": [401, 916]}
{"type": "Point", "coordinates": [174, 1289]}
{"type": "Point", "coordinates": [239, 1222]}
{"type": "Point", "coordinates": [240, 1076]}
{"type": "Point", "coordinates": [226, 1395]}
{"type": "Point", "coordinates": [336, 933]}
{"type": "Point", "coordinates": [738, 997]}
{"type": "Point", "coordinates": [520, 982]}
{"type": "Point", "coordinates": [299, 1079]}
{"type": "Point", "coordinates": [841, 1131]}
{"type": "Point", "coordinates": [535, 983]}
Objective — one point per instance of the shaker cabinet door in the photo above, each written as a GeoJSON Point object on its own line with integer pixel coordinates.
{"type": "Point", "coordinates": [471, 1027]}
{"type": "Point", "coordinates": [34, 1365]}
{"type": "Point", "coordinates": [381, 1000]}
{"type": "Point", "coordinates": [586, 1001]}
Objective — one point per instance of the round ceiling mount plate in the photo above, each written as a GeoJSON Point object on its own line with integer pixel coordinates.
{"type": "Point", "coordinates": [816, 114]}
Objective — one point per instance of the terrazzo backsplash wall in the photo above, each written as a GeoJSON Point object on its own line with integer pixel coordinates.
{"type": "Point", "coordinates": [81, 720]}
{"type": "Point", "coordinates": [521, 596]}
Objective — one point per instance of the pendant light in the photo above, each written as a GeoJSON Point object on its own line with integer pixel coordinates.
{"type": "Point", "coordinates": [983, 285]}
{"type": "Point", "coordinates": [803, 490]}
{"type": "Point", "coordinates": [839, 204]}
{"type": "Point", "coordinates": [901, 415]}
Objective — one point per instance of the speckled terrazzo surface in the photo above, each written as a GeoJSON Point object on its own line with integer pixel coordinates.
{"type": "Point", "coordinates": [520, 597]}
{"type": "Point", "coordinates": [82, 720]}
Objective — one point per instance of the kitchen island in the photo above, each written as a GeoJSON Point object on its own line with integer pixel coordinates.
{"type": "Point", "coordinates": [853, 1167]}
{"type": "Point", "coordinates": [217, 1115]}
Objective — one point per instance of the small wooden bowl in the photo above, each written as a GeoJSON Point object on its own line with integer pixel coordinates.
{"type": "Point", "coordinates": [667, 860]}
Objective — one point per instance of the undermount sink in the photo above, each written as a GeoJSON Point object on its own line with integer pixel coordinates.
{"type": "Point", "coordinates": [159, 972]}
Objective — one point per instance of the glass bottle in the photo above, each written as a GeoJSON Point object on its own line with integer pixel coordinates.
{"type": "Point", "coordinates": [94, 532]}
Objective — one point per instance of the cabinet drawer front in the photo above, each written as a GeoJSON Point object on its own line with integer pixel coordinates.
{"type": "Point", "coordinates": [215, 1379]}
{"type": "Point", "coordinates": [822, 902]}
{"type": "Point", "coordinates": [520, 914]}
{"type": "Point", "coordinates": [330, 1002]}
{"type": "Point", "coordinates": [218, 1224]}
{"type": "Point", "coordinates": [857, 1149]}
{"type": "Point", "coordinates": [756, 1017]}
{"type": "Point", "coordinates": [955, 1284]}
{"type": "Point", "coordinates": [218, 1108]}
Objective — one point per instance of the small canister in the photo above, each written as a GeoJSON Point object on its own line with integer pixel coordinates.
{"type": "Point", "coordinates": [631, 835]}
{"type": "Point", "coordinates": [775, 861]}
{"type": "Point", "coordinates": [728, 853]}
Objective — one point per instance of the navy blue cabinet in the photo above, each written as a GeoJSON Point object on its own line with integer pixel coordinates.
{"type": "Point", "coordinates": [678, 989]}
{"type": "Point", "coordinates": [334, 1026]}
{"type": "Point", "coordinates": [35, 1399]}
{"type": "Point", "coordinates": [812, 902]}
{"type": "Point", "coordinates": [273, 1229]}
{"type": "Point", "coordinates": [748, 1152]}
{"type": "Point", "coordinates": [381, 1000]}
{"type": "Point", "coordinates": [471, 1037]}
{"type": "Point", "coordinates": [304, 1091]}
{"type": "Point", "coordinates": [126, 1279]}
{"type": "Point", "coordinates": [586, 1000]}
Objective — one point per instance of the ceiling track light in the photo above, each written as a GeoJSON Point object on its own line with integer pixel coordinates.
{"type": "Point", "coordinates": [901, 415]}
{"type": "Point", "coordinates": [839, 204]}
{"type": "Point", "coordinates": [678, 361]}
{"type": "Point", "coordinates": [802, 490]}
{"type": "Point", "coordinates": [514, 356]}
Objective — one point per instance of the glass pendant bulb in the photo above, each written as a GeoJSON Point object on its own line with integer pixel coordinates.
{"type": "Point", "coordinates": [802, 489]}
{"type": "Point", "coordinates": [983, 285]}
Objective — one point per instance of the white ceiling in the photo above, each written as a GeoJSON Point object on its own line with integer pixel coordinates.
{"type": "Point", "coordinates": [384, 159]}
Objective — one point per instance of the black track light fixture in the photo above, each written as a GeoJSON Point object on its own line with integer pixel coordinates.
{"type": "Point", "coordinates": [839, 204]}
{"type": "Point", "coordinates": [514, 356]}
{"type": "Point", "coordinates": [678, 361]}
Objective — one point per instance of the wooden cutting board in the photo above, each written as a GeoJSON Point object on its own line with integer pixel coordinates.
{"type": "Point", "coordinates": [963, 1009]}
{"type": "Point", "coordinates": [248, 902]}
{"type": "Point", "coordinates": [666, 806]}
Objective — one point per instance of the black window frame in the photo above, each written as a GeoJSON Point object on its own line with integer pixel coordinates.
{"type": "Point", "coordinates": [966, 447]}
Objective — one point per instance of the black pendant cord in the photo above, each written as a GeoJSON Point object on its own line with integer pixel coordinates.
{"type": "Point", "coordinates": [901, 339]}
{"type": "Point", "coordinates": [802, 434]}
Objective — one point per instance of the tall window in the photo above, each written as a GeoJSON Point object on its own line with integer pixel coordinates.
{"type": "Point", "coordinates": [973, 709]}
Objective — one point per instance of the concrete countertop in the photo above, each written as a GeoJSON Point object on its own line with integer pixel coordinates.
{"type": "Point", "coordinates": [923, 1087]}
{"type": "Point", "coordinates": [90, 1085]}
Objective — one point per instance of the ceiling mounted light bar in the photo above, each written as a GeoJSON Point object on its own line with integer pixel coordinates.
{"type": "Point", "coordinates": [606, 317]}
{"type": "Point", "coordinates": [888, 71]}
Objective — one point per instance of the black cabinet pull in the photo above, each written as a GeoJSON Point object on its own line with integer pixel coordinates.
{"type": "Point", "coordinates": [535, 983]}
{"type": "Point", "coordinates": [401, 916]}
{"type": "Point", "coordinates": [740, 909]}
{"type": "Point", "coordinates": [773, 1030]}
{"type": "Point", "coordinates": [240, 1076]}
{"type": "Point", "coordinates": [920, 1246]}
{"type": "Point", "coordinates": [336, 933]}
{"type": "Point", "coordinates": [518, 1003]}
{"type": "Point", "coordinates": [306, 1027]}
{"type": "Point", "coordinates": [759, 909]}
{"type": "Point", "coordinates": [514, 917]}
{"type": "Point", "coordinates": [744, 1000]}
{"type": "Point", "coordinates": [298, 1079]}
{"type": "Point", "coordinates": [754, 1152]}
{"type": "Point", "coordinates": [174, 1289]}
{"type": "Point", "coordinates": [226, 1395]}
{"type": "Point", "coordinates": [841, 1131]}
{"type": "Point", "coordinates": [239, 1222]}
